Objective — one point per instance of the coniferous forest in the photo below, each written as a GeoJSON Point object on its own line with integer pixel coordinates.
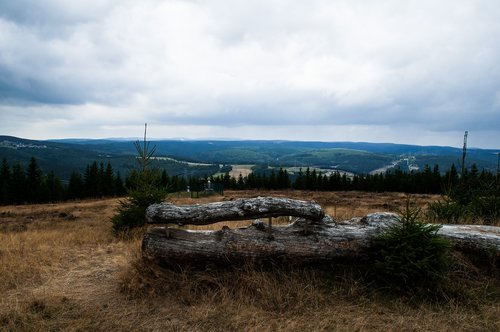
{"type": "Point", "coordinates": [29, 184]}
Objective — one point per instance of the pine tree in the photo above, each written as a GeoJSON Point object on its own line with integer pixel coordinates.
{"type": "Point", "coordinates": [272, 181]}
{"type": "Point", "coordinates": [436, 180]}
{"type": "Point", "coordinates": [34, 182]}
{"type": "Point", "coordinates": [108, 181]}
{"type": "Point", "coordinates": [17, 186]}
{"type": "Point", "coordinates": [165, 180]}
{"type": "Point", "coordinates": [313, 180]}
{"type": "Point", "coordinates": [308, 180]}
{"type": "Point", "coordinates": [283, 179]}
{"type": "Point", "coordinates": [300, 180]}
{"type": "Point", "coordinates": [132, 211]}
{"type": "Point", "coordinates": [52, 188]}
{"type": "Point", "coordinates": [4, 182]}
{"type": "Point", "coordinates": [91, 180]}
{"type": "Point", "coordinates": [451, 177]}
{"type": "Point", "coordinates": [75, 186]}
{"type": "Point", "coordinates": [241, 182]}
{"type": "Point", "coordinates": [251, 181]}
{"type": "Point", "coordinates": [100, 180]}
{"type": "Point", "coordinates": [118, 186]}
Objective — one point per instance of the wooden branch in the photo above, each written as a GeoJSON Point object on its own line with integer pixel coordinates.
{"type": "Point", "coordinates": [301, 243]}
{"type": "Point", "coordinates": [238, 209]}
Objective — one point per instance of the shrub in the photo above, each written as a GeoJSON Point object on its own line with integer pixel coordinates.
{"type": "Point", "coordinates": [468, 202]}
{"type": "Point", "coordinates": [448, 211]}
{"type": "Point", "coordinates": [146, 189]}
{"type": "Point", "coordinates": [410, 255]}
{"type": "Point", "coordinates": [132, 210]}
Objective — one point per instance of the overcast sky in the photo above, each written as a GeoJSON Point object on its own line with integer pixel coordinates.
{"type": "Point", "coordinates": [418, 72]}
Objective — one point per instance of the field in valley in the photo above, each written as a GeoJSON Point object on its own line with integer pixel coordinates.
{"type": "Point", "coordinates": [244, 170]}
{"type": "Point", "coordinates": [62, 268]}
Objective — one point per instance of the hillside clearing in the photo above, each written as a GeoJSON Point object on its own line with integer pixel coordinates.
{"type": "Point", "coordinates": [244, 170]}
{"type": "Point", "coordinates": [62, 269]}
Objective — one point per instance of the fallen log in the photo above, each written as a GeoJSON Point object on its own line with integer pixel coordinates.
{"type": "Point", "coordinates": [238, 209]}
{"type": "Point", "coordinates": [301, 243]}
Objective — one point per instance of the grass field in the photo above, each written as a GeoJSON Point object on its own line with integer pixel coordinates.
{"type": "Point", "coordinates": [62, 268]}
{"type": "Point", "coordinates": [244, 170]}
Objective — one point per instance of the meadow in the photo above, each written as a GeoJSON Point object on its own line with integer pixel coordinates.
{"type": "Point", "coordinates": [62, 268]}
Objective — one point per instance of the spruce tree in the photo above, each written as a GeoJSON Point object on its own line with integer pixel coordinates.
{"type": "Point", "coordinates": [52, 188]}
{"type": "Point", "coordinates": [132, 211]}
{"type": "Point", "coordinates": [118, 186]}
{"type": "Point", "coordinates": [108, 181]}
{"type": "Point", "coordinates": [451, 177]}
{"type": "Point", "coordinates": [17, 185]}
{"type": "Point", "coordinates": [91, 180]}
{"type": "Point", "coordinates": [75, 186]}
{"type": "Point", "coordinates": [4, 182]}
{"type": "Point", "coordinates": [34, 182]}
{"type": "Point", "coordinates": [165, 180]}
{"type": "Point", "coordinates": [241, 182]}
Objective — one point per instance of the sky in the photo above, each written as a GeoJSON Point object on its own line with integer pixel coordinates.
{"type": "Point", "coordinates": [417, 72]}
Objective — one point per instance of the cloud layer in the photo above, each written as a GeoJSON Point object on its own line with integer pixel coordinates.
{"type": "Point", "coordinates": [412, 71]}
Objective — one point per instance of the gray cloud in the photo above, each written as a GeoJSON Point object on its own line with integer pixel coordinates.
{"type": "Point", "coordinates": [218, 64]}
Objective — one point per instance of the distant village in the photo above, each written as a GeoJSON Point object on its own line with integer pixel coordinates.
{"type": "Point", "coordinates": [19, 145]}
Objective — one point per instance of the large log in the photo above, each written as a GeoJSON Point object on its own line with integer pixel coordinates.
{"type": "Point", "coordinates": [301, 243]}
{"type": "Point", "coordinates": [239, 209]}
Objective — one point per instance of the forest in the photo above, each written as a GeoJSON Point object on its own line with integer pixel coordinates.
{"type": "Point", "coordinates": [20, 184]}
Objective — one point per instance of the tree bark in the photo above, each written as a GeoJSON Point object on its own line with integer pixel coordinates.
{"type": "Point", "coordinates": [238, 209]}
{"type": "Point", "coordinates": [301, 243]}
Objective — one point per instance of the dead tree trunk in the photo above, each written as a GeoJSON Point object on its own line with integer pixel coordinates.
{"type": "Point", "coordinates": [238, 209]}
{"type": "Point", "coordinates": [301, 243]}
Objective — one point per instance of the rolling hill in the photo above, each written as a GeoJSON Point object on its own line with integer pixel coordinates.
{"type": "Point", "coordinates": [206, 157]}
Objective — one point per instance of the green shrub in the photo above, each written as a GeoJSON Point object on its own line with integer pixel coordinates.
{"type": "Point", "coordinates": [146, 189]}
{"type": "Point", "coordinates": [475, 198]}
{"type": "Point", "coordinates": [132, 210]}
{"type": "Point", "coordinates": [448, 211]}
{"type": "Point", "coordinates": [410, 255]}
{"type": "Point", "coordinates": [477, 202]}
{"type": "Point", "coordinates": [486, 208]}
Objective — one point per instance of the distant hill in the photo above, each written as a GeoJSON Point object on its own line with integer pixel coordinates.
{"type": "Point", "coordinates": [65, 157]}
{"type": "Point", "coordinates": [183, 157]}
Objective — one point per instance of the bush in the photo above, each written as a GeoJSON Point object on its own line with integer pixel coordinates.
{"type": "Point", "coordinates": [448, 211]}
{"type": "Point", "coordinates": [132, 210]}
{"type": "Point", "coordinates": [486, 207]}
{"type": "Point", "coordinates": [477, 202]}
{"type": "Point", "coordinates": [145, 189]}
{"type": "Point", "coordinates": [410, 255]}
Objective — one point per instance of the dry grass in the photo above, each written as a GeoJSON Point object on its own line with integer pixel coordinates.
{"type": "Point", "coordinates": [244, 170]}
{"type": "Point", "coordinates": [62, 269]}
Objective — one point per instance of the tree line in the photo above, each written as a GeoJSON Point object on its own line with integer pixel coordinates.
{"type": "Point", "coordinates": [20, 185]}
{"type": "Point", "coordinates": [466, 198]}
{"type": "Point", "coordinates": [428, 181]}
